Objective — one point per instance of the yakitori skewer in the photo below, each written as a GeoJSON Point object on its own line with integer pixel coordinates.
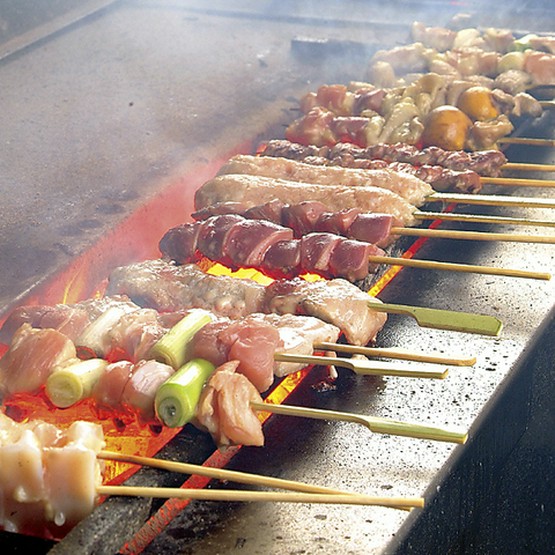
{"type": "Point", "coordinates": [251, 496]}
{"type": "Point", "coordinates": [262, 247]}
{"type": "Point", "coordinates": [455, 169]}
{"type": "Point", "coordinates": [374, 424]}
{"type": "Point", "coordinates": [193, 392]}
{"type": "Point", "coordinates": [395, 353]}
{"type": "Point", "coordinates": [313, 216]}
{"type": "Point", "coordinates": [481, 219]}
{"type": "Point", "coordinates": [402, 181]}
{"type": "Point", "coordinates": [234, 476]}
{"type": "Point", "coordinates": [249, 192]}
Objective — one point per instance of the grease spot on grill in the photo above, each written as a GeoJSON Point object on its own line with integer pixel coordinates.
{"type": "Point", "coordinates": [110, 208]}
{"type": "Point", "coordinates": [121, 195]}
{"type": "Point", "coordinates": [89, 224]}
{"type": "Point", "coordinates": [71, 229]}
{"type": "Point", "coordinates": [78, 228]}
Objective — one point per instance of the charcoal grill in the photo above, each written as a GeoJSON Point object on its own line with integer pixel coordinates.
{"type": "Point", "coordinates": [113, 116]}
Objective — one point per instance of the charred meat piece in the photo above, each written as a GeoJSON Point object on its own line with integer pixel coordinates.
{"type": "Point", "coordinates": [336, 301]}
{"type": "Point", "coordinates": [167, 288]}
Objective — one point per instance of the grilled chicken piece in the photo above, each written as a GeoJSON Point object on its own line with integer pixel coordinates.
{"type": "Point", "coordinates": [298, 335]}
{"type": "Point", "coordinates": [255, 190]}
{"type": "Point", "coordinates": [224, 408]}
{"type": "Point", "coordinates": [250, 342]}
{"type": "Point", "coordinates": [409, 187]}
{"type": "Point", "coordinates": [336, 301]}
{"type": "Point", "coordinates": [32, 356]}
{"type": "Point", "coordinates": [48, 476]}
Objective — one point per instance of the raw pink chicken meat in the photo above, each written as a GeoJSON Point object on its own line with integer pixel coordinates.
{"type": "Point", "coordinates": [224, 408]}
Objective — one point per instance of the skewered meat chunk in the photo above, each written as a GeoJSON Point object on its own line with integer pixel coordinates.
{"type": "Point", "coordinates": [32, 356]}
{"type": "Point", "coordinates": [486, 163]}
{"type": "Point", "coordinates": [256, 190]}
{"type": "Point", "coordinates": [135, 333]}
{"type": "Point", "coordinates": [409, 187]}
{"type": "Point", "coordinates": [49, 477]}
{"type": "Point", "coordinates": [224, 408]}
{"type": "Point", "coordinates": [123, 331]}
{"type": "Point", "coordinates": [140, 390]}
{"type": "Point", "coordinates": [252, 343]}
{"type": "Point", "coordinates": [297, 335]}
{"type": "Point", "coordinates": [283, 259]}
{"type": "Point", "coordinates": [165, 286]}
{"type": "Point", "coordinates": [248, 242]}
{"type": "Point", "coordinates": [303, 218]}
{"type": "Point", "coordinates": [404, 125]}
{"type": "Point", "coordinates": [438, 38]}
{"type": "Point", "coordinates": [69, 319]}
{"type": "Point", "coordinates": [335, 301]}
{"type": "Point", "coordinates": [108, 390]}
{"type": "Point", "coordinates": [211, 237]}
{"type": "Point", "coordinates": [325, 254]}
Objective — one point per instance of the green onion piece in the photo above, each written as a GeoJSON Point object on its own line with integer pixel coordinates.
{"type": "Point", "coordinates": [70, 383]}
{"type": "Point", "coordinates": [524, 43]}
{"type": "Point", "coordinates": [171, 348]}
{"type": "Point", "coordinates": [177, 398]}
{"type": "Point", "coordinates": [93, 336]}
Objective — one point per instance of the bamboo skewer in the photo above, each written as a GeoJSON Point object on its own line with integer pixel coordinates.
{"type": "Point", "coordinates": [220, 473]}
{"type": "Point", "coordinates": [526, 141]}
{"type": "Point", "coordinates": [454, 267]}
{"type": "Point", "coordinates": [524, 166]}
{"type": "Point", "coordinates": [374, 424]}
{"type": "Point", "coordinates": [394, 353]}
{"type": "Point", "coordinates": [478, 218]}
{"type": "Point", "coordinates": [251, 496]}
{"type": "Point", "coordinates": [444, 319]}
{"type": "Point", "coordinates": [517, 181]}
{"type": "Point", "coordinates": [364, 367]}
{"type": "Point", "coordinates": [472, 235]}
{"type": "Point", "coordinates": [492, 200]}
